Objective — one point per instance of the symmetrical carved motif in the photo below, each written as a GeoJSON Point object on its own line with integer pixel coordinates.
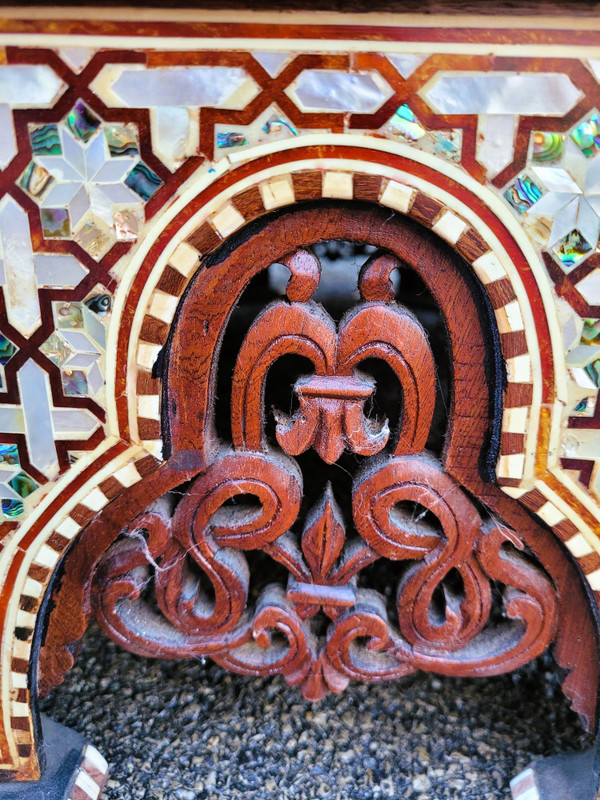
{"type": "Point", "coordinates": [180, 580]}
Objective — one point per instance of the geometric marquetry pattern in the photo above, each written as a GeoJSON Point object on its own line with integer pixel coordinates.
{"type": "Point", "coordinates": [50, 547]}
{"type": "Point", "coordinates": [100, 141]}
{"type": "Point", "coordinates": [88, 168]}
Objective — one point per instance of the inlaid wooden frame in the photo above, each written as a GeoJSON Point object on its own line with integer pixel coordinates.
{"type": "Point", "coordinates": [336, 165]}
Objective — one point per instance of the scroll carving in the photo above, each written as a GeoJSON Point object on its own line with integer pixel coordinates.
{"type": "Point", "coordinates": [404, 577]}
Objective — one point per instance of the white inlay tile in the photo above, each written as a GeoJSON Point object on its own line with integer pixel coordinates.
{"type": "Point", "coordinates": [333, 90]}
{"type": "Point", "coordinates": [397, 195]}
{"type": "Point", "coordinates": [450, 227]}
{"type": "Point", "coordinates": [225, 87]}
{"type": "Point", "coordinates": [407, 63]}
{"type": "Point", "coordinates": [579, 546]}
{"type": "Point", "coordinates": [24, 85]}
{"type": "Point", "coordinates": [495, 142]}
{"type": "Point", "coordinates": [488, 268]}
{"type": "Point", "coordinates": [227, 220]}
{"type": "Point", "coordinates": [503, 93]}
{"type": "Point", "coordinates": [271, 62]}
{"type": "Point", "coordinates": [277, 192]}
{"type": "Point", "coordinates": [338, 185]}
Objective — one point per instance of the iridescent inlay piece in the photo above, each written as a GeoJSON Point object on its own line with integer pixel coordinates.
{"type": "Point", "coordinates": [69, 315]}
{"type": "Point", "coordinates": [591, 331]}
{"type": "Point", "coordinates": [229, 87]}
{"type": "Point", "coordinates": [593, 370]}
{"type": "Point", "coordinates": [127, 224]}
{"type": "Point", "coordinates": [122, 140]}
{"type": "Point", "coordinates": [587, 136]}
{"type": "Point", "coordinates": [12, 508]}
{"type": "Point", "coordinates": [35, 179]}
{"type": "Point", "coordinates": [95, 238]}
{"type": "Point", "coordinates": [447, 144]}
{"type": "Point", "coordinates": [572, 248]}
{"type": "Point", "coordinates": [523, 193]}
{"type": "Point", "coordinates": [333, 90]}
{"type": "Point", "coordinates": [82, 122]}
{"type": "Point", "coordinates": [143, 181]}
{"type": "Point", "coordinates": [275, 124]}
{"type": "Point", "coordinates": [547, 146]}
{"type": "Point", "coordinates": [9, 454]}
{"type": "Point", "coordinates": [99, 304]}
{"type": "Point", "coordinates": [405, 124]}
{"type": "Point", "coordinates": [56, 349]}
{"type": "Point", "coordinates": [45, 141]}
{"type": "Point", "coordinates": [74, 383]}
{"type": "Point", "coordinates": [23, 484]}
{"type": "Point", "coordinates": [7, 350]}
{"type": "Point", "coordinates": [546, 94]}
{"type": "Point", "coordinates": [231, 139]}
{"type": "Point", "coordinates": [55, 223]}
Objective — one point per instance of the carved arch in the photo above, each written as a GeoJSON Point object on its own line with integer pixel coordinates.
{"type": "Point", "coordinates": [194, 450]}
{"type": "Point", "coordinates": [149, 296]}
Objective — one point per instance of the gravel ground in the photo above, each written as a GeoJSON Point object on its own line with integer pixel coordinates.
{"type": "Point", "coordinates": [187, 730]}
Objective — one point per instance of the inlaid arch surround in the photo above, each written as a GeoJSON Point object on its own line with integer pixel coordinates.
{"type": "Point", "coordinates": [209, 210]}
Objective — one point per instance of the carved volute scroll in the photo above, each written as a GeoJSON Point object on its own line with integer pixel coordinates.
{"type": "Point", "coordinates": [251, 551]}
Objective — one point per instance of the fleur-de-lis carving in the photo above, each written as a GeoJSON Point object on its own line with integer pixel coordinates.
{"type": "Point", "coordinates": [324, 578]}
{"type": "Point", "coordinates": [331, 419]}
{"type": "Point", "coordinates": [323, 537]}
{"type": "Point", "coordinates": [331, 415]}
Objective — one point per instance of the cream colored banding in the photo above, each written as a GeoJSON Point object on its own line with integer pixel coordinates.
{"type": "Point", "coordinates": [277, 192]}
{"type": "Point", "coordinates": [19, 680]}
{"type": "Point", "coordinates": [227, 220]}
{"type": "Point", "coordinates": [149, 406]}
{"type": "Point", "coordinates": [338, 185]}
{"type": "Point", "coordinates": [593, 578]}
{"type": "Point", "coordinates": [163, 306]}
{"type": "Point", "coordinates": [514, 420]}
{"type": "Point", "coordinates": [24, 585]}
{"type": "Point", "coordinates": [448, 200]}
{"type": "Point", "coordinates": [450, 227]}
{"type": "Point", "coordinates": [68, 528]}
{"type": "Point", "coordinates": [579, 546]}
{"type": "Point", "coordinates": [95, 500]}
{"type": "Point", "coordinates": [128, 475]}
{"type": "Point", "coordinates": [184, 259]}
{"type": "Point", "coordinates": [397, 195]}
{"type": "Point", "coordinates": [567, 510]}
{"type": "Point", "coordinates": [511, 466]}
{"type": "Point", "coordinates": [147, 355]}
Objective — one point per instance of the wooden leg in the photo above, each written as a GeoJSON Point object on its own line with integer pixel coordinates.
{"type": "Point", "coordinates": [569, 776]}
{"type": "Point", "coordinates": [74, 769]}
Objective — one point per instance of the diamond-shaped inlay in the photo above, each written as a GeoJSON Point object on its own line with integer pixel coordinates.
{"type": "Point", "coordinates": [572, 248]}
{"type": "Point", "coordinates": [15, 484]}
{"type": "Point", "coordinates": [523, 193]}
{"type": "Point", "coordinates": [587, 136]}
{"type": "Point", "coordinates": [88, 179]}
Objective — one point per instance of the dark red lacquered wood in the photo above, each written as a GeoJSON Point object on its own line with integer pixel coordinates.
{"type": "Point", "coordinates": [410, 509]}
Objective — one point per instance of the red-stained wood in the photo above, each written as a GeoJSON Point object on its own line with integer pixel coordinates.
{"type": "Point", "coordinates": [410, 509]}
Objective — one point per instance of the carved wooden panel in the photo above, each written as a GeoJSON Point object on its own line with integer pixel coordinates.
{"type": "Point", "coordinates": [326, 540]}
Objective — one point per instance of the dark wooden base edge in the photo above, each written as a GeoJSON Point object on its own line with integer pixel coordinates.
{"type": "Point", "coordinates": [569, 776]}
{"type": "Point", "coordinates": [74, 769]}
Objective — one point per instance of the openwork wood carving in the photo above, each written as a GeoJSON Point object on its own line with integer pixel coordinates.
{"type": "Point", "coordinates": [423, 568]}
